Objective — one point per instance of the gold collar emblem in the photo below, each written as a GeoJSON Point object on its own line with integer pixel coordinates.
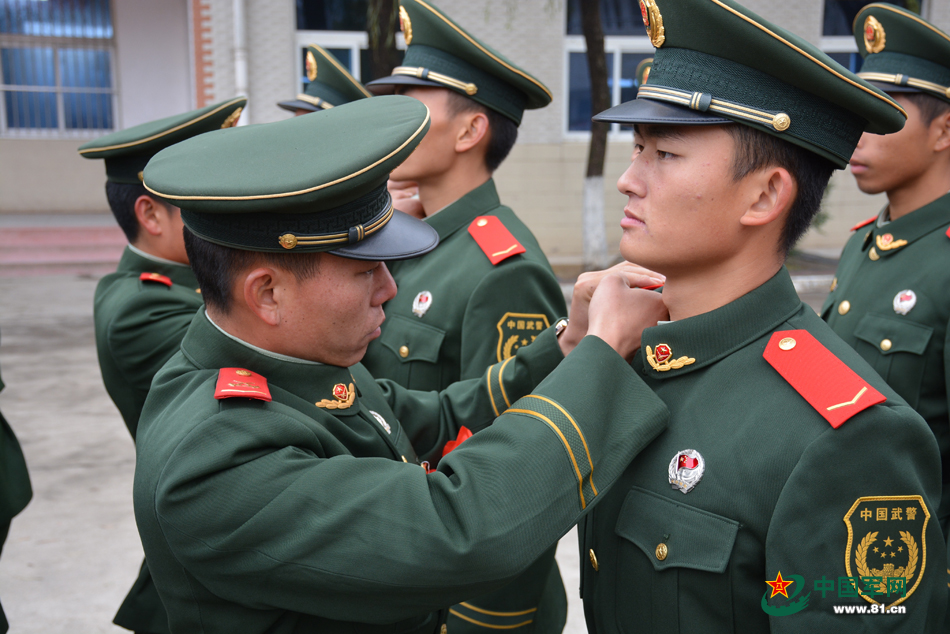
{"type": "Point", "coordinates": [886, 242]}
{"type": "Point", "coordinates": [405, 24]}
{"type": "Point", "coordinates": [873, 35]}
{"type": "Point", "coordinates": [311, 66]}
{"type": "Point", "coordinates": [662, 359]}
{"type": "Point", "coordinates": [653, 21]}
{"type": "Point", "coordinates": [343, 397]}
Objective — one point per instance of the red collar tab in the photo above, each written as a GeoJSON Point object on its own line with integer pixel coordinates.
{"type": "Point", "coordinates": [832, 388]}
{"type": "Point", "coordinates": [238, 382]}
{"type": "Point", "coordinates": [948, 232]}
{"type": "Point", "coordinates": [464, 434]}
{"type": "Point", "coordinates": [864, 223]}
{"type": "Point", "coordinates": [494, 239]}
{"type": "Point", "coordinates": [156, 277]}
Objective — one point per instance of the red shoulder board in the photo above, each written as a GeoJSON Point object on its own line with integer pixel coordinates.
{"type": "Point", "coordinates": [494, 239]}
{"type": "Point", "coordinates": [864, 223]}
{"type": "Point", "coordinates": [155, 277]}
{"type": "Point", "coordinates": [832, 388]}
{"type": "Point", "coordinates": [238, 382]}
{"type": "Point", "coordinates": [948, 232]}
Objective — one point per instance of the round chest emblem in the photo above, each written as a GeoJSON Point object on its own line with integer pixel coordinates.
{"type": "Point", "coordinates": [686, 470]}
{"type": "Point", "coordinates": [904, 302]}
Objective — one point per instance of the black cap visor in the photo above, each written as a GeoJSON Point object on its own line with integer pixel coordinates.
{"type": "Point", "coordinates": [401, 238]}
{"type": "Point", "coordinates": [644, 110]}
{"type": "Point", "coordinates": [388, 85]}
{"type": "Point", "coordinates": [296, 104]}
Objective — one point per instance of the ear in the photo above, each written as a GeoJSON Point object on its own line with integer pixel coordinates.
{"type": "Point", "coordinates": [258, 292]}
{"type": "Point", "coordinates": [473, 127]}
{"type": "Point", "coordinates": [773, 192]}
{"type": "Point", "coordinates": [147, 211]}
{"type": "Point", "coordinates": [940, 131]}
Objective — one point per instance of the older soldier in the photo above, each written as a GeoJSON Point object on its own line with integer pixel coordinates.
{"type": "Point", "coordinates": [794, 490]}
{"type": "Point", "coordinates": [143, 309]}
{"type": "Point", "coordinates": [278, 486]}
{"type": "Point", "coordinates": [330, 84]}
{"type": "Point", "coordinates": [487, 289]}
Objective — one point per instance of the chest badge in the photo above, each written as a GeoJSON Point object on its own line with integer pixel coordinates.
{"type": "Point", "coordinates": [421, 303]}
{"type": "Point", "coordinates": [381, 421]}
{"type": "Point", "coordinates": [686, 470]}
{"type": "Point", "coordinates": [904, 302]}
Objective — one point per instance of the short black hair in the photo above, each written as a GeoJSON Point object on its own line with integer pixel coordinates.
{"type": "Point", "coordinates": [122, 197]}
{"type": "Point", "coordinates": [930, 107]}
{"type": "Point", "coordinates": [503, 132]}
{"type": "Point", "coordinates": [215, 267]}
{"type": "Point", "coordinates": [755, 150]}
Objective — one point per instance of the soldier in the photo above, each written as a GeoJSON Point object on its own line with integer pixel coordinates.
{"type": "Point", "coordinates": [487, 289]}
{"type": "Point", "coordinates": [330, 84]}
{"type": "Point", "coordinates": [889, 300]}
{"type": "Point", "coordinates": [15, 490]}
{"type": "Point", "coordinates": [142, 310]}
{"type": "Point", "coordinates": [794, 490]}
{"type": "Point", "coordinates": [278, 486]}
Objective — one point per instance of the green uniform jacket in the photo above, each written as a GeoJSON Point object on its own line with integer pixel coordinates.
{"type": "Point", "coordinates": [15, 489]}
{"type": "Point", "coordinates": [284, 516]}
{"type": "Point", "coordinates": [861, 310]}
{"type": "Point", "coordinates": [777, 486]}
{"type": "Point", "coordinates": [479, 314]}
{"type": "Point", "coordinates": [139, 326]}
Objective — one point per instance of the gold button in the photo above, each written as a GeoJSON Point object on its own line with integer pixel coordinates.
{"type": "Point", "coordinates": [886, 345]}
{"type": "Point", "coordinates": [787, 343]}
{"type": "Point", "coordinates": [482, 222]}
{"type": "Point", "coordinates": [661, 552]}
{"type": "Point", "coordinates": [403, 351]}
{"type": "Point", "coordinates": [844, 307]}
{"type": "Point", "coordinates": [593, 560]}
{"type": "Point", "coordinates": [444, 629]}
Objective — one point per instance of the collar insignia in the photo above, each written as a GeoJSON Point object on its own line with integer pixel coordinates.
{"type": "Point", "coordinates": [662, 359]}
{"type": "Point", "coordinates": [343, 397]}
{"type": "Point", "coordinates": [886, 242]}
{"type": "Point", "coordinates": [686, 470]}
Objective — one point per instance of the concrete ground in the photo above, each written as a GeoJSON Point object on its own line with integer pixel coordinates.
{"type": "Point", "coordinates": [74, 552]}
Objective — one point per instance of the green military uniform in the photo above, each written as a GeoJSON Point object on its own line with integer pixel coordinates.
{"type": "Point", "coordinates": [791, 477]}
{"type": "Point", "coordinates": [484, 292]}
{"type": "Point", "coordinates": [15, 489]}
{"type": "Point", "coordinates": [330, 84]}
{"type": "Point", "coordinates": [282, 495]}
{"type": "Point", "coordinates": [888, 300]}
{"type": "Point", "coordinates": [141, 311]}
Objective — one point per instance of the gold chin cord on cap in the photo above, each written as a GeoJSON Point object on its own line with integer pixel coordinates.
{"type": "Point", "coordinates": [354, 234]}
{"type": "Point", "coordinates": [424, 73]}
{"type": "Point", "coordinates": [314, 101]}
{"type": "Point", "coordinates": [904, 80]}
{"type": "Point", "coordinates": [703, 102]}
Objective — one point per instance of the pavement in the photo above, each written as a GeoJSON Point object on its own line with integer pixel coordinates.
{"type": "Point", "coordinates": [74, 552]}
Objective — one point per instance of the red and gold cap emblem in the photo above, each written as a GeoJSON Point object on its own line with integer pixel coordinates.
{"type": "Point", "coordinates": [653, 21]}
{"type": "Point", "coordinates": [311, 66]}
{"type": "Point", "coordinates": [873, 35]}
{"type": "Point", "coordinates": [405, 24]}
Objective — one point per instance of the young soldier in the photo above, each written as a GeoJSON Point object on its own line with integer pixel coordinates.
{"type": "Point", "coordinates": [487, 289]}
{"type": "Point", "coordinates": [142, 310]}
{"type": "Point", "coordinates": [791, 480]}
{"type": "Point", "coordinates": [330, 85]}
{"type": "Point", "coordinates": [889, 300]}
{"type": "Point", "coordinates": [278, 486]}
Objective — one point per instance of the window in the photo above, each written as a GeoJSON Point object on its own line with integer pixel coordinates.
{"type": "Point", "coordinates": [619, 17]}
{"type": "Point", "coordinates": [840, 14]}
{"type": "Point", "coordinates": [56, 68]}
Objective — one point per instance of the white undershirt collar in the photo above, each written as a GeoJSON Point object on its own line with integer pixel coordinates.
{"type": "Point", "coordinates": [154, 258]}
{"type": "Point", "coordinates": [266, 353]}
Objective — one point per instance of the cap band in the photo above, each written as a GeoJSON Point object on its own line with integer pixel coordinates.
{"type": "Point", "coordinates": [901, 69]}
{"type": "Point", "coordinates": [315, 101]}
{"type": "Point", "coordinates": [779, 121]}
{"type": "Point", "coordinates": [424, 73]}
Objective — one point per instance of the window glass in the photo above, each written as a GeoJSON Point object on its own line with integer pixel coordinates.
{"type": "Point", "coordinates": [840, 14]}
{"type": "Point", "coordinates": [851, 61]}
{"type": "Point", "coordinates": [628, 74]}
{"type": "Point", "coordinates": [619, 17]}
{"type": "Point", "coordinates": [331, 15]}
{"type": "Point", "coordinates": [579, 108]}
{"type": "Point", "coordinates": [57, 18]}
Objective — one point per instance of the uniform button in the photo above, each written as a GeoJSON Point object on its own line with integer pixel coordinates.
{"type": "Point", "coordinates": [593, 560]}
{"type": "Point", "coordinates": [403, 351]}
{"type": "Point", "coordinates": [844, 307]}
{"type": "Point", "coordinates": [661, 552]}
{"type": "Point", "coordinates": [444, 629]}
{"type": "Point", "coordinates": [886, 345]}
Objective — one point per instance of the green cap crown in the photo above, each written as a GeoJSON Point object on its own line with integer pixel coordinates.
{"type": "Point", "coordinates": [717, 62]}
{"type": "Point", "coordinates": [441, 53]}
{"type": "Point", "coordinates": [126, 152]}
{"type": "Point", "coordinates": [330, 84]}
{"type": "Point", "coordinates": [303, 184]}
{"type": "Point", "coordinates": [902, 52]}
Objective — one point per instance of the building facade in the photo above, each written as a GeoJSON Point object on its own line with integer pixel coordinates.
{"type": "Point", "coordinates": [75, 69]}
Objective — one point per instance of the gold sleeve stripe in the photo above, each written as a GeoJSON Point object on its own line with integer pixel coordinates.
{"type": "Point", "coordinates": [490, 395]}
{"type": "Point", "coordinates": [490, 613]}
{"type": "Point", "coordinates": [501, 383]}
{"type": "Point", "coordinates": [567, 445]}
{"type": "Point", "coordinates": [579, 433]}
{"type": "Point", "coordinates": [489, 625]}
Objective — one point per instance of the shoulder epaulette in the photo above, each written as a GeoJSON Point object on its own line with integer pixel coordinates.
{"type": "Point", "coordinates": [156, 277]}
{"type": "Point", "coordinates": [831, 387]}
{"type": "Point", "coordinates": [238, 382]}
{"type": "Point", "coordinates": [864, 223]}
{"type": "Point", "coordinates": [494, 239]}
{"type": "Point", "coordinates": [948, 232]}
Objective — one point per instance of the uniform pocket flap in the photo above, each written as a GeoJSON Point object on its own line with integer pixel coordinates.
{"type": "Point", "coordinates": [412, 341]}
{"type": "Point", "coordinates": [890, 335]}
{"type": "Point", "coordinates": [673, 535]}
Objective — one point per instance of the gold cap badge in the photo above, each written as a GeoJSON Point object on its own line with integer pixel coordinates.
{"type": "Point", "coordinates": [653, 21]}
{"type": "Point", "coordinates": [311, 66]}
{"type": "Point", "coordinates": [873, 35]}
{"type": "Point", "coordinates": [232, 119]}
{"type": "Point", "coordinates": [405, 24]}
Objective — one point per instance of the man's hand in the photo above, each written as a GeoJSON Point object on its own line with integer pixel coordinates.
{"type": "Point", "coordinates": [636, 277]}
{"type": "Point", "coordinates": [406, 198]}
{"type": "Point", "coordinates": [618, 314]}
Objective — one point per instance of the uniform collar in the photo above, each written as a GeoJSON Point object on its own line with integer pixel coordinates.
{"type": "Point", "coordinates": [137, 261]}
{"type": "Point", "coordinates": [463, 211]}
{"type": "Point", "coordinates": [210, 348]}
{"type": "Point", "coordinates": [694, 343]}
{"type": "Point", "coordinates": [913, 226]}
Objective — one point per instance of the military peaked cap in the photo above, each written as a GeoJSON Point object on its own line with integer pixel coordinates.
{"type": "Point", "coordinates": [330, 84]}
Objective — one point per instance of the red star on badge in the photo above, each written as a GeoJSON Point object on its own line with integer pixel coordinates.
{"type": "Point", "coordinates": [779, 586]}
